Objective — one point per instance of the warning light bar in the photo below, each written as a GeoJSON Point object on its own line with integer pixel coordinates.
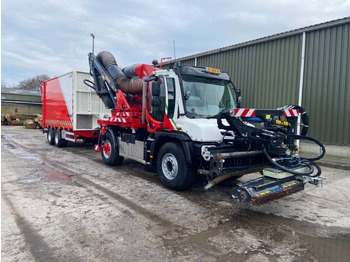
{"type": "Point", "coordinates": [212, 70]}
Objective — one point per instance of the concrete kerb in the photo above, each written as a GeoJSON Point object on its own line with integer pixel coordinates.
{"type": "Point", "coordinates": [336, 156]}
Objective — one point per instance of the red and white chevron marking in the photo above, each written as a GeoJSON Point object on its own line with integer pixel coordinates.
{"type": "Point", "coordinates": [120, 117]}
{"type": "Point", "coordinates": [243, 112]}
{"type": "Point", "coordinates": [291, 112]}
{"type": "Point", "coordinates": [117, 119]}
{"type": "Point", "coordinates": [122, 114]}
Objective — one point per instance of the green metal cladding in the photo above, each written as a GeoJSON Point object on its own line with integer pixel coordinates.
{"type": "Point", "coordinates": [267, 71]}
{"type": "Point", "coordinates": [326, 94]}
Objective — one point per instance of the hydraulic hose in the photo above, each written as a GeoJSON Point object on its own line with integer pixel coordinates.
{"type": "Point", "coordinates": [319, 171]}
{"type": "Point", "coordinates": [323, 149]}
{"type": "Point", "coordinates": [307, 164]}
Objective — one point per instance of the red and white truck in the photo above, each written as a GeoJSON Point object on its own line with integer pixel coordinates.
{"type": "Point", "coordinates": [71, 109]}
{"type": "Point", "coordinates": [187, 120]}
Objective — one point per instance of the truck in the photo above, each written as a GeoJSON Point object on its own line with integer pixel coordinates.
{"type": "Point", "coordinates": [71, 109]}
{"type": "Point", "coordinates": [185, 121]}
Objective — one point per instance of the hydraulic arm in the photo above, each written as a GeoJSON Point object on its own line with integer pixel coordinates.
{"type": "Point", "coordinates": [286, 172]}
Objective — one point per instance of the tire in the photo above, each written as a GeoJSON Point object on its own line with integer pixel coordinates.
{"type": "Point", "coordinates": [172, 167]}
{"type": "Point", "coordinates": [50, 136]}
{"type": "Point", "coordinates": [59, 142]}
{"type": "Point", "coordinates": [110, 151]}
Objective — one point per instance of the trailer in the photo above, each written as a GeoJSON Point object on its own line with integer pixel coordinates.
{"type": "Point", "coordinates": [71, 109]}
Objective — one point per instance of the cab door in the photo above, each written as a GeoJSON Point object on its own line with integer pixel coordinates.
{"type": "Point", "coordinates": [160, 104]}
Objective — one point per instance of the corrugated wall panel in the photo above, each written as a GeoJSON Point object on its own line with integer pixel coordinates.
{"type": "Point", "coordinates": [326, 94]}
{"type": "Point", "coordinates": [268, 74]}
{"type": "Point", "coordinates": [189, 62]}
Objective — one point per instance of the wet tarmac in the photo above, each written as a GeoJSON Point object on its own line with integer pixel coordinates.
{"type": "Point", "coordinates": [64, 204]}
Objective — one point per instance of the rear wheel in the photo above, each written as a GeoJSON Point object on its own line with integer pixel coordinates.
{"type": "Point", "coordinates": [173, 169]}
{"type": "Point", "coordinates": [110, 151]}
{"type": "Point", "coordinates": [50, 136]}
{"type": "Point", "coordinates": [59, 141]}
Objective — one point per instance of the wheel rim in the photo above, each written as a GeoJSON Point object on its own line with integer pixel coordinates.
{"type": "Point", "coordinates": [170, 166]}
{"type": "Point", "coordinates": [57, 140]}
{"type": "Point", "coordinates": [107, 149]}
{"type": "Point", "coordinates": [49, 135]}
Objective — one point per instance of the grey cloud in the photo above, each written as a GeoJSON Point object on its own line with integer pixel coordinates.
{"type": "Point", "coordinates": [53, 37]}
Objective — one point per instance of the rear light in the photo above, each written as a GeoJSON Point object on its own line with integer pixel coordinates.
{"type": "Point", "coordinates": [103, 129]}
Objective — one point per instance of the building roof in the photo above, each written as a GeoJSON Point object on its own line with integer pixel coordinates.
{"type": "Point", "coordinates": [14, 91]}
{"type": "Point", "coordinates": [311, 28]}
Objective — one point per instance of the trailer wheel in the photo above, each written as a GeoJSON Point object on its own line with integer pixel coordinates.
{"type": "Point", "coordinates": [50, 136]}
{"type": "Point", "coordinates": [172, 167]}
{"type": "Point", "coordinates": [110, 151]}
{"type": "Point", "coordinates": [59, 141]}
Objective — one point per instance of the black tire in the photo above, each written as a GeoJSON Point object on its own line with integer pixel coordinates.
{"type": "Point", "coordinates": [110, 151]}
{"type": "Point", "coordinates": [59, 141]}
{"type": "Point", "coordinates": [172, 167]}
{"type": "Point", "coordinates": [50, 136]}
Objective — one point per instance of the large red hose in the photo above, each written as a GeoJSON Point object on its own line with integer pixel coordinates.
{"type": "Point", "coordinates": [127, 85]}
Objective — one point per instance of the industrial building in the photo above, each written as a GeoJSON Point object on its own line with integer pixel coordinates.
{"type": "Point", "coordinates": [20, 102]}
{"type": "Point", "coordinates": [309, 66]}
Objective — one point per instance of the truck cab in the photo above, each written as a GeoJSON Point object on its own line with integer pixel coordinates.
{"type": "Point", "coordinates": [189, 100]}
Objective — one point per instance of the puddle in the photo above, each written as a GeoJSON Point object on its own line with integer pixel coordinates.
{"type": "Point", "coordinates": [47, 176]}
{"type": "Point", "coordinates": [53, 175]}
{"type": "Point", "coordinates": [29, 180]}
{"type": "Point", "coordinates": [29, 156]}
{"type": "Point", "coordinates": [327, 249]}
{"type": "Point", "coordinates": [9, 146]}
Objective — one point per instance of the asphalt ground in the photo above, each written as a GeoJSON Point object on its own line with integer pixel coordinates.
{"type": "Point", "coordinates": [64, 204]}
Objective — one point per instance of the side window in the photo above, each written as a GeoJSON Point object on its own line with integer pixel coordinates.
{"type": "Point", "coordinates": [157, 110]}
{"type": "Point", "coordinates": [170, 82]}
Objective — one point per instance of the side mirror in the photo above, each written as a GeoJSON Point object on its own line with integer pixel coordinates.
{"type": "Point", "coordinates": [238, 98]}
{"type": "Point", "coordinates": [155, 88]}
{"type": "Point", "coordinates": [156, 101]}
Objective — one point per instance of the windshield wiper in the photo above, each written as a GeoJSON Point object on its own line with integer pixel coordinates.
{"type": "Point", "coordinates": [214, 116]}
{"type": "Point", "coordinates": [191, 115]}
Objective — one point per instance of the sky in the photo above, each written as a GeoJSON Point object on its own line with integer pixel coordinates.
{"type": "Point", "coordinates": [53, 36]}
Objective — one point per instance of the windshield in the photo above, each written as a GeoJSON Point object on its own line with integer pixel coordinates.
{"type": "Point", "coordinates": [206, 97]}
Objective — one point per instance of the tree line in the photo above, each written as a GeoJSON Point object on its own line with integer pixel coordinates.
{"type": "Point", "coordinates": [33, 83]}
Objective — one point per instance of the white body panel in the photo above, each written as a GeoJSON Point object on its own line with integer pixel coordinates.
{"type": "Point", "coordinates": [201, 130]}
{"type": "Point", "coordinates": [83, 105]}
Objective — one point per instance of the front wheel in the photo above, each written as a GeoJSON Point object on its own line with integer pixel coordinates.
{"type": "Point", "coordinates": [110, 151]}
{"type": "Point", "coordinates": [172, 167]}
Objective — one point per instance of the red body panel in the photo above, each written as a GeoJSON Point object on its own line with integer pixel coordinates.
{"type": "Point", "coordinates": [54, 106]}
